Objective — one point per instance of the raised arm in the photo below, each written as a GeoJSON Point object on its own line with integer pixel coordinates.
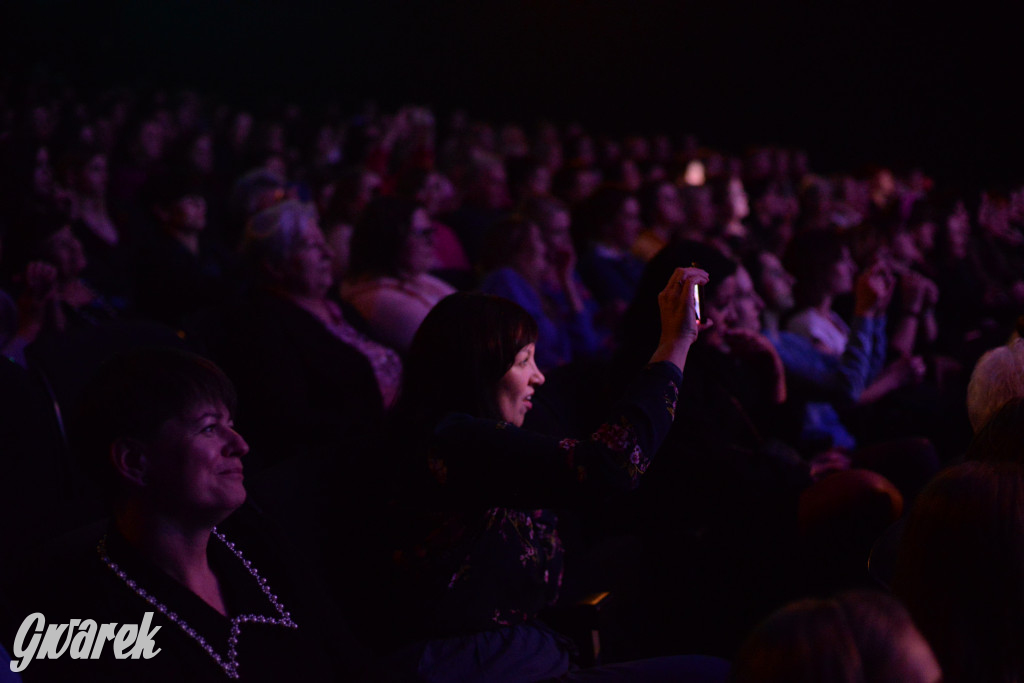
{"type": "Point", "coordinates": [492, 463]}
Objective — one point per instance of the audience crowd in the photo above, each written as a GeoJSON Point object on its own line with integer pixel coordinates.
{"type": "Point", "coordinates": [472, 395]}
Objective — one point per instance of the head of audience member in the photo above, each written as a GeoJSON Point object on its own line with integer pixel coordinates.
{"type": "Point", "coordinates": [960, 570]}
{"type": "Point", "coordinates": [430, 188]}
{"type": "Point", "coordinates": [730, 199]}
{"type": "Point", "coordinates": [178, 204]}
{"type": "Point", "coordinates": [1002, 436]}
{"type": "Point", "coordinates": [255, 191]}
{"type": "Point", "coordinates": [349, 194]}
{"type": "Point", "coordinates": [516, 242]}
{"type": "Point", "coordinates": [699, 209]}
{"type": "Point", "coordinates": [625, 173]}
{"type": "Point", "coordinates": [998, 376]}
{"type": "Point", "coordinates": [922, 226]}
{"type": "Point", "coordinates": [287, 251]}
{"type": "Point", "coordinates": [196, 153]}
{"type": "Point", "coordinates": [554, 220]}
{"type": "Point", "coordinates": [955, 235]}
{"type": "Point", "coordinates": [527, 177]}
{"type": "Point", "coordinates": [148, 140]}
{"type": "Point", "coordinates": [822, 264]}
{"type": "Point", "coordinates": [574, 182]}
{"type": "Point", "coordinates": [86, 172]}
{"type": "Point", "coordinates": [661, 205]}
{"type": "Point", "coordinates": [994, 219]}
{"type": "Point", "coordinates": [856, 636]}
{"type": "Point", "coordinates": [155, 427]}
{"type": "Point", "coordinates": [771, 280]}
{"type": "Point", "coordinates": [472, 354]}
{"type": "Point", "coordinates": [486, 185]}
{"type": "Point", "coordinates": [392, 238]}
{"type": "Point", "coordinates": [640, 326]}
{"type": "Point", "coordinates": [48, 238]}
{"type": "Point", "coordinates": [610, 217]}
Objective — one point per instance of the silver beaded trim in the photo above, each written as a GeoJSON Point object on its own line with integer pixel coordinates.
{"type": "Point", "coordinates": [229, 663]}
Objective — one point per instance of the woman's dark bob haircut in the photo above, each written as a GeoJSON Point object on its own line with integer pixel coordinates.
{"type": "Point", "coordinates": [380, 235]}
{"type": "Point", "coordinates": [134, 393]}
{"type": "Point", "coordinates": [462, 349]}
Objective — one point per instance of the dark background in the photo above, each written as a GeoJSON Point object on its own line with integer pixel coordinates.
{"type": "Point", "coordinates": [934, 88]}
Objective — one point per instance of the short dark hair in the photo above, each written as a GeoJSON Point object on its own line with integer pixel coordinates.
{"type": "Point", "coordinates": [504, 241]}
{"type": "Point", "coordinates": [641, 324]}
{"type": "Point", "coordinates": [380, 235]}
{"type": "Point", "coordinates": [460, 352]}
{"type": "Point", "coordinates": [134, 393]}
{"type": "Point", "coordinates": [809, 258]}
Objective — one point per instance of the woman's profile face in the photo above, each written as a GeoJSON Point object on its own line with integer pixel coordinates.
{"type": "Point", "coordinates": [308, 268]}
{"type": "Point", "coordinates": [532, 259]}
{"type": "Point", "coordinates": [627, 224]}
{"type": "Point", "coordinates": [194, 464]}
{"type": "Point", "coordinates": [842, 274]}
{"type": "Point", "coordinates": [516, 387]}
{"type": "Point", "coordinates": [93, 177]}
{"type": "Point", "coordinates": [419, 255]}
{"type": "Point", "coordinates": [670, 205]}
{"type": "Point", "coordinates": [67, 253]}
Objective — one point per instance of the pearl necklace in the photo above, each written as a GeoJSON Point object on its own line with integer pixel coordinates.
{"type": "Point", "coordinates": [230, 663]}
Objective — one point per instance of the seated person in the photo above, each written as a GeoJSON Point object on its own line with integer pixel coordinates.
{"type": "Point", "coordinates": [473, 557]}
{"type": "Point", "coordinates": [313, 385]}
{"type": "Point", "coordinates": [515, 258]}
{"type": "Point", "coordinates": [997, 377]}
{"type": "Point", "coordinates": [181, 557]}
{"type": "Point", "coordinates": [608, 224]}
{"type": "Point", "coordinates": [389, 283]}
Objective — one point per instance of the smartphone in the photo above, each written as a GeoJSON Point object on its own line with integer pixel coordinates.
{"type": "Point", "coordinates": [698, 298]}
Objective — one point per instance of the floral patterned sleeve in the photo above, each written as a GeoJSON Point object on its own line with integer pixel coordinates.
{"type": "Point", "coordinates": [492, 463]}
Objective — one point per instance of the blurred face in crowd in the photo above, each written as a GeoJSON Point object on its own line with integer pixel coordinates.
{"type": "Point", "coordinates": [151, 140]}
{"type": "Point", "coordinates": [241, 128]}
{"type": "Point", "coordinates": [747, 303]}
{"type": "Point", "coordinates": [436, 195]}
{"type": "Point", "coordinates": [626, 227]}
{"type": "Point", "coordinates": [556, 232]}
{"type": "Point", "coordinates": [190, 213]}
{"type": "Point", "coordinates": [42, 173]}
{"type": "Point", "coordinates": [958, 228]}
{"type": "Point", "coordinates": [738, 202]}
{"type": "Point", "coordinates": [670, 206]}
{"type": "Point", "coordinates": [776, 284]}
{"type": "Point", "coordinates": [734, 305]}
{"type": "Point", "coordinates": [201, 154]}
{"type": "Point", "coordinates": [539, 182]}
{"type": "Point", "coordinates": [842, 274]}
{"type": "Point", "coordinates": [516, 387]}
{"type": "Point", "coordinates": [66, 253]}
{"type": "Point", "coordinates": [308, 269]}
{"type": "Point", "coordinates": [339, 237]}
{"type": "Point", "coordinates": [904, 248]}
{"type": "Point", "coordinates": [419, 256]}
{"type": "Point", "coordinates": [92, 180]}
{"type": "Point", "coordinates": [631, 178]}
{"type": "Point", "coordinates": [531, 260]}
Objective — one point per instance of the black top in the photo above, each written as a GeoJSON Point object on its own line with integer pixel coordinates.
{"type": "Point", "coordinates": [310, 644]}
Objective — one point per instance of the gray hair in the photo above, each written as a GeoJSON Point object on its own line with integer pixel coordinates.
{"type": "Point", "coordinates": [271, 234]}
{"type": "Point", "coordinates": [998, 377]}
